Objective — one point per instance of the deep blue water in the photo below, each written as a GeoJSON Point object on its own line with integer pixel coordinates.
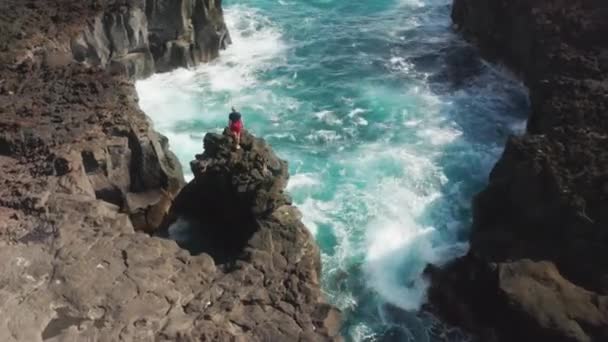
{"type": "Point", "coordinates": [390, 123]}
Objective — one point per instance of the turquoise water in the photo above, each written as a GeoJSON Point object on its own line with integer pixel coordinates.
{"type": "Point", "coordinates": [390, 124]}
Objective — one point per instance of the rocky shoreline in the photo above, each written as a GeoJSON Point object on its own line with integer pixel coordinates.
{"type": "Point", "coordinates": [84, 175]}
{"type": "Point", "coordinates": [537, 269]}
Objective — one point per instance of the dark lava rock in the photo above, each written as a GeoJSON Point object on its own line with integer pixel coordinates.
{"type": "Point", "coordinates": [232, 190]}
{"type": "Point", "coordinates": [537, 268]}
{"type": "Point", "coordinates": [138, 38]}
{"type": "Point", "coordinates": [242, 218]}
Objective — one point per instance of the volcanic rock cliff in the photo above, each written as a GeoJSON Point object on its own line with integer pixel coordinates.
{"type": "Point", "coordinates": [136, 37]}
{"type": "Point", "coordinates": [537, 269]}
{"type": "Point", "coordinates": [270, 265]}
{"type": "Point", "coordinates": [82, 174]}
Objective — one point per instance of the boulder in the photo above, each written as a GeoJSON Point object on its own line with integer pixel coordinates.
{"type": "Point", "coordinates": [148, 210]}
{"type": "Point", "coordinates": [538, 294]}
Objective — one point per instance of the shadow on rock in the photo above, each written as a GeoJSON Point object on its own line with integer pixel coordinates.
{"type": "Point", "coordinates": [219, 211]}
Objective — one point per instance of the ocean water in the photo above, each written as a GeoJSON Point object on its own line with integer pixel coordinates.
{"type": "Point", "coordinates": [390, 123]}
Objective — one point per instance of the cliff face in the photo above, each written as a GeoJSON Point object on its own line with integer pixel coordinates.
{"type": "Point", "coordinates": [141, 37]}
{"type": "Point", "coordinates": [82, 172]}
{"type": "Point", "coordinates": [270, 266]}
{"type": "Point", "coordinates": [64, 92]}
{"type": "Point", "coordinates": [136, 37]}
{"type": "Point", "coordinates": [537, 268]}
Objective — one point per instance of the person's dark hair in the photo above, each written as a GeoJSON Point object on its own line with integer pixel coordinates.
{"type": "Point", "coordinates": [234, 116]}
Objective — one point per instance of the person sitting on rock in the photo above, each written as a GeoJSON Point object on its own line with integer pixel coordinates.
{"type": "Point", "coordinates": [235, 124]}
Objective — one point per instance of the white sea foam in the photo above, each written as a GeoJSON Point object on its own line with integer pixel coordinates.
{"type": "Point", "coordinates": [411, 123]}
{"type": "Point", "coordinates": [287, 136]}
{"type": "Point", "coordinates": [400, 64]}
{"type": "Point", "coordinates": [328, 117]}
{"type": "Point", "coordinates": [324, 136]}
{"type": "Point", "coordinates": [401, 181]}
{"type": "Point", "coordinates": [257, 44]}
{"type": "Point", "coordinates": [412, 3]}
{"type": "Point", "coordinates": [439, 135]}
{"type": "Point", "coordinates": [356, 115]}
{"type": "Point", "coordinates": [386, 210]}
{"type": "Point", "coordinates": [362, 332]}
{"type": "Point", "coordinates": [398, 246]}
{"type": "Point", "coordinates": [355, 112]}
{"type": "Point", "coordinates": [303, 180]}
{"type": "Point", "coordinates": [361, 122]}
{"type": "Point", "coordinates": [201, 96]}
{"type": "Point", "coordinates": [316, 213]}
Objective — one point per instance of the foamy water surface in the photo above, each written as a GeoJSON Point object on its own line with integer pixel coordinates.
{"type": "Point", "coordinates": [390, 124]}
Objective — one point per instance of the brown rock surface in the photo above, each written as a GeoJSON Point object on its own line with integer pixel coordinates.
{"type": "Point", "coordinates": [546, 200]}
{"type": "Point", "coordinates": [81, 169]}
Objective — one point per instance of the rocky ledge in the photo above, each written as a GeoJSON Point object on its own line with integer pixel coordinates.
{"type": "Point", "coordinates": [537, 269]}
{"type": "Point", "coordinates": [85, 180]}
{"type": "Point", "coordinates": [268, 265]}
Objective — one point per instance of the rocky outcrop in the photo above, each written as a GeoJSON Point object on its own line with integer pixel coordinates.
{"type": "Point", "coordinates": [185, 32]}
{"type": "Point", "coordinates": [132, 37]}
{"type": "Point", "coordinates": [79, 131]}
{"type": "Point", "coordinates": [74, 148]}
{"type": "Point", "coordinates": [118, 37]}
{"type": "Point", "coordinates": [537, 265]}
{"type": "Point", "coordinates": [139, 37]}
{"type": "Point", "coordinates": [233, 193]}
{"type": "Point", "coordinates": [238, 213]}
{"type": "Point", "coordinates": [59, 98]}
{"type": "Point", "coordinates": [82, 173]}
